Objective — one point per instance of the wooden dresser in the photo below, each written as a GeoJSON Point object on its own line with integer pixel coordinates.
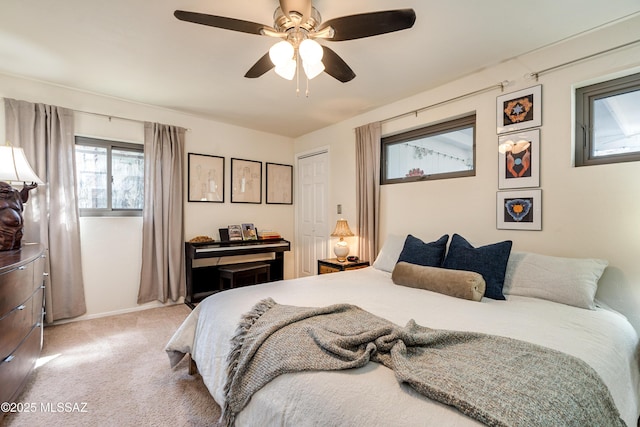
{"type": "Point", "coordinates": [21, 316]}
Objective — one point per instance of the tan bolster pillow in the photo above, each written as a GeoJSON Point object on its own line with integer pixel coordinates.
{"type": "Point", "coordinates": [456, 283]}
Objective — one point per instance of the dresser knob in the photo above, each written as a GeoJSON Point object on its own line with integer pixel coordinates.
{"type": "Point", "coordinates": [9, 358]}
{"type": "Point", "coordinates": [22, 267]}
{"type": "Point", "coordinates": [45, 274]}
{"type": "Point", "coordinates": [21, 307]}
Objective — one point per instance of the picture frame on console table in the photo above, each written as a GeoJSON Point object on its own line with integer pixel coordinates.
{"type": "Point", "coordinates": [246, 181]}
{"type": "Point", "coordinates": [205, 178]}
{"type": "Point", "coordinates": [249, 232]}
{"type": "Point", "coordinates": [234, 232]}
{"type": "Point", "coordinates": [279, 184]}
{"type": "Point", "coordinates": [519, 210]}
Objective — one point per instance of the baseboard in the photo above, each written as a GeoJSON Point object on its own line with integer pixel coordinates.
{"type": "Point", "coordinates": [147, 306]}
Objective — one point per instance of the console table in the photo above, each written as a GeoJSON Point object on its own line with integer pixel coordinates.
{"type": "Point", "coordinates": [204, 281]}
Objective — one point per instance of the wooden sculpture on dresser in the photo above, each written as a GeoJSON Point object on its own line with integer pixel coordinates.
{"type": "Point", "coordinates": [11, 221]}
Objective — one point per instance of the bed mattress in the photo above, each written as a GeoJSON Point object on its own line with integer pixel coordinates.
{"type": "Point", "coordinates": [371, 395]}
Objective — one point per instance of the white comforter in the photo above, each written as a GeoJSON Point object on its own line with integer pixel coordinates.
{"type": "Point", "coordinates": [602, 338]}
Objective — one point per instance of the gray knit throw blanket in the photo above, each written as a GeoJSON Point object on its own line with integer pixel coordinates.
{"type": "Point", "coordinates": [495, 380]}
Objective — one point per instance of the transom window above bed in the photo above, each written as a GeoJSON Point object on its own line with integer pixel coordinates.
{"type": "Point", "coordinates": [608, 122]}
{"type": "Point", "coordinates": [438, 151]}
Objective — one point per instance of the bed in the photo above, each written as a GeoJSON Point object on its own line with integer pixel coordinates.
{"type": "Point", "coordinates": [549, 315]}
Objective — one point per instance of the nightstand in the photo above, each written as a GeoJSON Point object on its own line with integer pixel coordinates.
{"type": "Point", "coordinates": [332, 265]}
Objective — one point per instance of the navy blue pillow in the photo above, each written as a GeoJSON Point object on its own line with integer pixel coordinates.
{"type": "Point", "coordinates": [431, 254]}
{"type": "Point", "coordinates": [490, 261]}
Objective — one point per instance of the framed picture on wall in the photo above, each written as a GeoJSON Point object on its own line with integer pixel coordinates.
{"type": "Point", "coordinates": [246, 181]}
{"type": "Point", "coordinates": [519, 210]}
{"type": "Point", "coordinates": [519, 159]}
{"type": "Point", "coordinates": [279, 184]}
{"type": "Point", "coordinates": [205, 178]}
{"type": "Point", "coordinates": [519, 110]}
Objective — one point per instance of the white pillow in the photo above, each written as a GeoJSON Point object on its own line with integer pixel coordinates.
{"type": "Point", "coordinates": [570, 281]}
{"type": "Point", "coordinates": [390, 252]}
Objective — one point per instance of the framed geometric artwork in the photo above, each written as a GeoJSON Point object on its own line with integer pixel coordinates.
{"type": "Point", "coordinates": [519, 159]}
{"type": "Point", "coordinates": [246, 181]}
{"type": "Point", "coordinates": [519, 110]}
{"type": "Point", "coordinates": [519, 210]}
{"type": "Point", "coordinates": [279, 184]}
{"type": "Point", "coordinates": [205, 178]}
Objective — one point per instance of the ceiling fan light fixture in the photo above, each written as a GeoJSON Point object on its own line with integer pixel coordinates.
{"type": "Point", "coordinates": [281, 53]}
{"type": "Point", "coordinates": [286, 70]}
{"type": "Point", "coordinates": [310, 51]}
{"type": "Point", "coordinates": [312, 69]}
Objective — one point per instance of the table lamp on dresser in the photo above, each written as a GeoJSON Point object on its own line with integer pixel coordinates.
{"type": "Point", "coordinates": [14, 168]}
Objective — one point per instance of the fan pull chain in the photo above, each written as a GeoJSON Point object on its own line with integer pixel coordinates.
{"type": "Point", "coordinates": [297, 73]}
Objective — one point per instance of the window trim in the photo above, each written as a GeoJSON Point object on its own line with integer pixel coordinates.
{"type": "Point", "coordinates": [109, 145]}
{"type": "Point", "coordinates": [468, 120]}
{"type": "Point", "coordinates": [584, 99]}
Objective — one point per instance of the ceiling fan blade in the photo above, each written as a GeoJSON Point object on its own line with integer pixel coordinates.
{"type": "Point", "coordinates": [300, 7]}
{"type": "Point", "coordinates": [222, 22]}
{"type": "Point", "coordinates": [263, 65]}
{"type": "Point", "coordinates": [336, 67]}
{"type": "Point", "coordinates": [370, 24]}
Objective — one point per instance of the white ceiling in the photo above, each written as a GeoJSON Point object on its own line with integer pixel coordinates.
{"type": "Point", "coordinates": [137, 50]}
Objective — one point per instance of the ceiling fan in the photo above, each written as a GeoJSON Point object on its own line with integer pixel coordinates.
{"type": "Point", "coordinates": [298, 24]}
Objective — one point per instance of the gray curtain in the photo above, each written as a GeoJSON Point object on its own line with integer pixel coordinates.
{"type": "Point", "coordinates": [162, 274]}
{"type": "Point", "coordinates": [368, 189]}
{"type": "Point", "coordinates": [46, 133]}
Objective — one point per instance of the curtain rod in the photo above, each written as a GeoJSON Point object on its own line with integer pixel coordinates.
{"type": "Point", "coordinates": [111, 116]}
{"type": "Point", "coordinates": [500, 85]}
{"type": "Point", "coordinates": [536, 74]}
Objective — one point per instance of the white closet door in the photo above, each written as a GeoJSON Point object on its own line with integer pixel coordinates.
{"type": "Point", "coordinates": [312, 236]}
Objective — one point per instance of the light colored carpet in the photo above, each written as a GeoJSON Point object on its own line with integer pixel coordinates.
{"type": "Point", "coordinates": [115, 368]}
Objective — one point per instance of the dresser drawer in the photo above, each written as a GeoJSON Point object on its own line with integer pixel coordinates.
{"type": "Point", "coordinates": [15, 287]}
{"type": "Point", "coordinates": [324, 269]}
{"type": "Point", "coordinates": [15, 368]}
{"type": "Point", "coordinates": [18, 322]}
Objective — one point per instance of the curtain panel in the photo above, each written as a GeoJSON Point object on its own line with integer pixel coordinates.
{"type": "Point", "coordinates": [46, 134]}
{"type": "Point", "coordinates": [162, 273]}
{"type": "Point", "coordinates": [368, 189]}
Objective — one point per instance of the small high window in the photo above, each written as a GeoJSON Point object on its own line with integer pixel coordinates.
{"type": "Point", "coordinates": [608, 122]}
{"type": "Point", "coordinates": [110, 177]}
{"type": "Point", "coordinates": [443, 150]}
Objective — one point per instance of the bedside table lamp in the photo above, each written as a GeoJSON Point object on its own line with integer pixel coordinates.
{"type": "Point", "coordinates": [341, 249]}
{"type": "Point", "coordinates": [14, 167]}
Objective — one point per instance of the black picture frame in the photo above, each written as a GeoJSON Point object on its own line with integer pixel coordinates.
{"type": "Point", "coordinates": [205, 178]}
{"type": "Point", "coordinates": [246, 181]}
{"type": "Point", "coordinates": [279, 179]}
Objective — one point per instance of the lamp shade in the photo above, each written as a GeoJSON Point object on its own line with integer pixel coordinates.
{"type": "Point", "coordinates": [342, 229]}
{"type": "Point", "coordinates": [286, 70]}
{"type": "Point", "coordinates": [341, 249]}
{"type": "Point", "coordinates": [281, 52]}
{"type": "Point", "coordinates": [14, 166]}
{"type": "Point", "coordinates": [311, 51]}
{"type": "Point", "coordinates": [312, 70]}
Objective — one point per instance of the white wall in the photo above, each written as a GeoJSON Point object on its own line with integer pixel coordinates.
{"type": "Point", "coordinates": [587, 212]}
{"type": "Point", "coordinates": [111, 247]}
